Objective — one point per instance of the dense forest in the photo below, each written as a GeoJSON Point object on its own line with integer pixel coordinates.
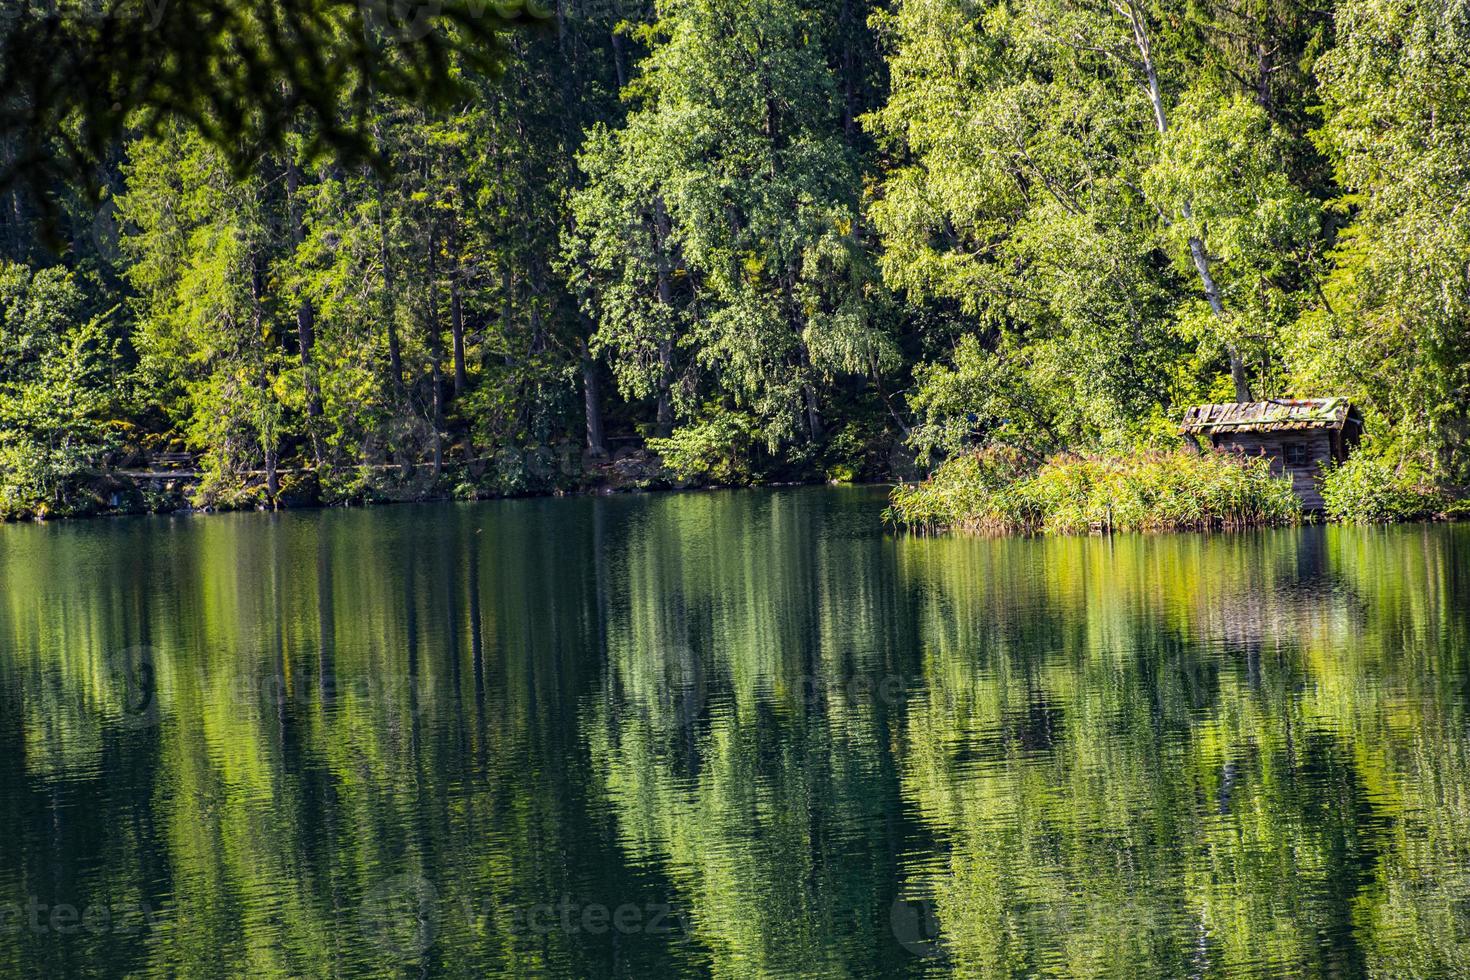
{"type": "Point", "coordinates": [733, 241]}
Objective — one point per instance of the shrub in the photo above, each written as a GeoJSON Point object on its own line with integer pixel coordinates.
{"type": "Point", "coordinates": [63, 385]}
{"type": "Point", "coordinates": [717, 448]}
{"type": "Point", "coordinates": [1372, 489]}
{"type": "Point", "coordinates": [974, 490]}
{"type": "Point", "coordinates": [221, 489]}
{"type": "Point", "coordinates": [857, 450]}
{"type": "Point", "coordinates": [995, 490]}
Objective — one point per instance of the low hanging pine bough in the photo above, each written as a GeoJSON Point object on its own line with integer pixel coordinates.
{"type": "Point", "coordinates": [76, 76]}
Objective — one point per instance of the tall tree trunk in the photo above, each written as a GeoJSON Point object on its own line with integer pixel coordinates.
{"type": "Point", "coordinates": [592, 404]}
{"type": "Point", "coordinates": [537, 322]}
{"type": "Point", "coordinates": [617, 53]}
{"type": "Point", "coordinates": [385, 255]}
{"type": "Point", "coordinates": [808, 393]}
{"type": "Point", "coordinates": [1264, 68]}
{"type": "Point", "coordinates": [456, 304]}
{"type": "Point", "coordinates": [436, 352]}
{"type": "Point", "coordinates": [456, 329]}
{"type": "Point", "coordinates": [665, 418]}
{"type": "Point", "coordinates": [1212, 294]}
{"type": "Point", "coordinates": [661, 230]}
{"type": "Point", "coordinates": [903, 427]}
{"type": "Point", "coordinates": [849, 68]}
{"type": "Point", "coordinates": [813, 416]}
{"type": "Point", "coordinates": [266, 430]}
{"type": "Point", "coordinates": [573, 113]}
{"type": "Point", "coordinates": [268, 444]}
{"type": "Point", "coordinates": [389, 307]}
{"type": "Point", "coordinates": [305, 319]}
{"type": "Point", "coordinates": [1197, 249]}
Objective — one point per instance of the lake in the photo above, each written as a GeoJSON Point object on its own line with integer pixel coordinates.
{"type": "Point", "coordinates": [735, 734]}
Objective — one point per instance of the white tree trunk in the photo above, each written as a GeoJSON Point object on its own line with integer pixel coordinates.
{"type": "Point", "coordinates": [1197, 251]}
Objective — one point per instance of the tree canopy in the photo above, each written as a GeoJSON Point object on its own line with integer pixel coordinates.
{"type": "Point", "coordinates": [355, 250]}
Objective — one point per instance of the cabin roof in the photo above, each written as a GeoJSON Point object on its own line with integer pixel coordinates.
{"type": "Point", "coordinates": [1269, 416]}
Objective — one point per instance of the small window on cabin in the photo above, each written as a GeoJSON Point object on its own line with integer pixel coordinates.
{"type": "Point", "coordinates": [1297, 454]}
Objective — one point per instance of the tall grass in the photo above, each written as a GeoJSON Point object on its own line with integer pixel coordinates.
{"type": "Point", "coordinates": [994, 490]}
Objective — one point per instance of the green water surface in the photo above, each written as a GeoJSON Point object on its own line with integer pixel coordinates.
{"type": "Point", "coordinates": [729, 734]}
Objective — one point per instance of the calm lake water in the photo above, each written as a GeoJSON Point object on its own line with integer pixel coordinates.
{"type": "Point", "coordinates": [733, 734]}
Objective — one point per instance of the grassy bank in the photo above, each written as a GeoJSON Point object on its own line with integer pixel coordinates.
{"type": "Point", "coordinates": [997, 490]}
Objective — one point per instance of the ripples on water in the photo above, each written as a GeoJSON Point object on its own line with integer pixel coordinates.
{"type": "Point", "coordinates": [732, 734]}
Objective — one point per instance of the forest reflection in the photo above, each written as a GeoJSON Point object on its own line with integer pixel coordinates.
{"type": "Point", "coordinates": [729, 734]}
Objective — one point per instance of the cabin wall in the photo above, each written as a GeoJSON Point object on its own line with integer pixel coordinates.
{"type": "Point", "coordinates": [1273, 445]}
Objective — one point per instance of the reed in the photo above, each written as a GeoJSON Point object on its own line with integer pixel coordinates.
{"type": "Point", "coordinates": [994, 490]}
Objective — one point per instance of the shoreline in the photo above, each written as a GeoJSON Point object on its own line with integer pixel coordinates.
{"type": "Point", "coordinates": [358, 502]}
{"type": "Point", "coordinates": [1312, 519]}
{"type": "Point", "coordinates": [164, 493]}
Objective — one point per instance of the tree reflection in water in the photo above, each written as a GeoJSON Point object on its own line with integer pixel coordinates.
{"type": "Point", "coordinates": [731, 734]}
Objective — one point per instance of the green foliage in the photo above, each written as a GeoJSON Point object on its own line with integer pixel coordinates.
{"type": "Point", "coordinates": [1369, 488]}
{"type": "Point", "coordinates": [1393, 329]}
{"type": "Point", "coordinates": [992, 396]}
{"type": "Point", "coordinates": [717, 448]}
{"type": "Point", "coordinates": [1224, 159]}
{"type": "Point", "coordinates": [718, 238]}
{"type": "Point", "coordinates": [1125, 206]}
{"type": "Point", "coordinates": [91, 74]}
{"type": "Point", "coordinates": [977, 490]}
{"type": "Point", "coordinates": [372, 326]}
{"type": "Point", "coordinates": [203, 247]}
{"type": "Point", "coordinates": [780, 238]}
{"type": "Point", "coordinates": [996, 490]}
{"type": "Point", "coordinates": [63, 390]}
{"type": "Point", "coordinates": [858, 451]}
{"type": "Point", "coordinates": [1021, 143]}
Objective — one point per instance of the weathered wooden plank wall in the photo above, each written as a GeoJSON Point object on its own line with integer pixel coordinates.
{"type": "Point", "coordinates": [1273, 444]}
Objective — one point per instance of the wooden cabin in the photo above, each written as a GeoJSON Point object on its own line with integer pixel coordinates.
{"type": "Point", "coordinates": [1298, 434]}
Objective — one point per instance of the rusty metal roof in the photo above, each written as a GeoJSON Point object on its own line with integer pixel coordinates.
{"type": "Point", "coordinates": [1269, 416]}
